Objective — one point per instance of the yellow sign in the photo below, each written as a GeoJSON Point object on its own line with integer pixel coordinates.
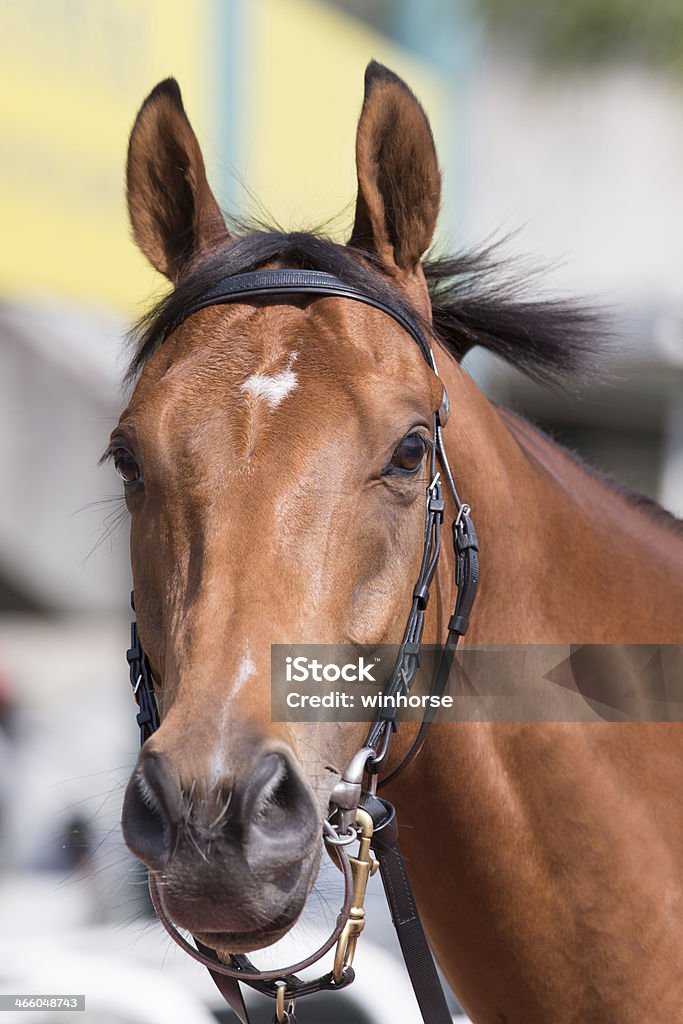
{"type": "Point", "coordinates": [72, 76]}
{"type": "Point", "coordinates": [273, 89]}
{"type": "Point", "coordinates": [305, 63]}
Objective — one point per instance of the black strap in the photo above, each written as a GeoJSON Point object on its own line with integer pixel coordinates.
{"type": "Point", "coordinates": [467, 580]}
{"type": "Point", "coordinates": [408, 659]}
{"type": "Point", "coordinates": [229, 988]}
{"type": "Point", "coordinates": [141, 681]}
{"type": "Point", "coordinates": [412, 939]}
{"type": "Point", "coordinates": [296, 988]}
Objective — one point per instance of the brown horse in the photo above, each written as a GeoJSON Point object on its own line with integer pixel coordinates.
{"type": "Point", "coordinates": [273, 454]}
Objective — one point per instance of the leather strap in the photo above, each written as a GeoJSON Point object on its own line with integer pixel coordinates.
{"type": "Point", "coordinates": [408, 659]}
{"type": "Point", "coordinates": [229, 988]}
{"type": "Point", "coordinates": [141, 681]}
{"type": "Point", "coordinates": [467, 580]}
{"type": "Point", "coordinates": [412, 939]}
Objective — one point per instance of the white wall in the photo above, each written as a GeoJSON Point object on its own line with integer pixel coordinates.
{"type": "Point", "coordinates": [589, 166]}
{"type": "Point", "coordinates": [59, 399]}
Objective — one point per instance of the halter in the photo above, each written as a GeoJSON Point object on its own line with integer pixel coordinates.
{"type": "Point", "coordinates": [355, 812]}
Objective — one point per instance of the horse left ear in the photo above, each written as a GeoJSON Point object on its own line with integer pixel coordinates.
{"type": "Point", "coordinates": [399, 184]}
{"type": "Point", "coordinates": [173, 212]}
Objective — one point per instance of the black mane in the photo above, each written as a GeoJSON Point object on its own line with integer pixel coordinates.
{"type": "Point", "coordinates": [475, 301]}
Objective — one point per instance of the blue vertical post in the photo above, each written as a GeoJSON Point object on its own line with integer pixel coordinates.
{"type": "Point", "coordinates": [228, 46]}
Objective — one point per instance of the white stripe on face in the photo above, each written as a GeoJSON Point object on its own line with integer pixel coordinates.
{"type": "Point", "coordinates": [245, 671]}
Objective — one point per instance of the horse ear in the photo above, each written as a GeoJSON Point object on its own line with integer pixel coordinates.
{"type": "Point", "coordinates": [399, 184]}
{"type": "Point", "coordinates": [173, 212]}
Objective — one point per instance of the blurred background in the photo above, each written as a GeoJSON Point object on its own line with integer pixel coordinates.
{"type": "Point", "coordinates": [559, 126]}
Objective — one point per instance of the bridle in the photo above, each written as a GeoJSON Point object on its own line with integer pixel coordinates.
{"type": "Point", "coordinates": [356, 813]}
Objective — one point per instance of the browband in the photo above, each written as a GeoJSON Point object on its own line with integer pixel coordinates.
{"type": "Point", "coordinates": [259, 283]}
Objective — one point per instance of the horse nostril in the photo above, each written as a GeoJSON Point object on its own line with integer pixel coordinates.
{"type": "Point", "coordinates": [149, 811]}
{"type": "Point", "coordinates": [269, 791]}
{"type": "Point", "coordinates": [278, 807]}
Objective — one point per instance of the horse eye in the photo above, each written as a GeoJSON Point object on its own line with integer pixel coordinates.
{"type": "Point", "coordinates": [410, 453]}
{"type": "Point", "coordinates": [126, 466]}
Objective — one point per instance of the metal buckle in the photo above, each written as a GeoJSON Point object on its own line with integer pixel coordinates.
{"type": "Point", "coordinates": [346, 794]}
{"type": "Point", "coordinates": [362, 867]}
{"type": "Point", "coordinates": [444, 408]}
{"type": "Point", "coordinates": [463, 511]}
{"type": "Point", "coordinates": [435, 502]}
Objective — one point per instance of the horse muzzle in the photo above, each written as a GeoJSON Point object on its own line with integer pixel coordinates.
{"type": "Point", "coordinates": [235, 858]}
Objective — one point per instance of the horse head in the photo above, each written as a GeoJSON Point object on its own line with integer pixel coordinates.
{"type": "Point", "coordinates": [274, 454]}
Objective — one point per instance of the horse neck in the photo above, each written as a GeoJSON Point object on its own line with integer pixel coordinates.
{"type": "Point", "coordinates": [564, 556]}
{"type": "Point", "coordinates": [493, 814]}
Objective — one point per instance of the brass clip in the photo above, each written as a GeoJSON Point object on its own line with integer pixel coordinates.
{"type": "Point", "coordinates": [362, 867]}
{"type": "Point", "coordinates": [282, 1015]}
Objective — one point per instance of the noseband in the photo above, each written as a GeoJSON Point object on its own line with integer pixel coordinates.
{"type": "Point", "coordinates": [355, 812]}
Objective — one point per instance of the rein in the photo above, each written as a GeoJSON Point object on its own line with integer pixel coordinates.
{"type": "Point", "coordinates": [355, 813]}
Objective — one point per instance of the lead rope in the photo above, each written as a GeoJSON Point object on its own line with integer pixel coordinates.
{"type": "Point", "coordinates": [417, 955]}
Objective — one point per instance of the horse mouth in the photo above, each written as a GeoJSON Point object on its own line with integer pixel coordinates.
{"type": "Point", "coordinates": [249, 921]}
{"type": "Point", "coordinates": [225, 943]}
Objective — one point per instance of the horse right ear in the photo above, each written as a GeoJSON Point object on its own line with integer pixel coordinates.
{"type": "Point", "coordinates": [173, 212]}
{"type": "Point", "coordinates": [399, 184]}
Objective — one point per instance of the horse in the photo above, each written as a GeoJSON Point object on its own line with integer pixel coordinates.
{"type": "Point", "coordinates": [274, 455]}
